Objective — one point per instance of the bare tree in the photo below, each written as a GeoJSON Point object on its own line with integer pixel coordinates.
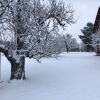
{"type": "Point", "coordinates": [31, 26]}
{"type": "Point", "coordinates": [75, 45]}
{"type": "Point", "coordinates": [68, 41]}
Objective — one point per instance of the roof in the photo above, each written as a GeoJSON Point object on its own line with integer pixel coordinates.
{"type": "Point", "coordinates": [97, 22]}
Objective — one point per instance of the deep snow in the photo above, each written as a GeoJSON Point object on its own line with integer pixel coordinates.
{"type": "Point", "coordinates": [72, 76]}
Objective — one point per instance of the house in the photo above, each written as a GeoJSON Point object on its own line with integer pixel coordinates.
{"type": "Point", "coordinates": [97, 22]}
{"type": "Point", "coordinates": [96, 28]}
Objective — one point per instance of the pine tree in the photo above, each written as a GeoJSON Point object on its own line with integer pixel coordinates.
{"type": "Point", "coordinates": [87, 37]}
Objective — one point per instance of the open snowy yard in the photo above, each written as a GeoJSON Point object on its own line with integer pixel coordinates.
{"type": "Point", "coordinates": [72, 76]}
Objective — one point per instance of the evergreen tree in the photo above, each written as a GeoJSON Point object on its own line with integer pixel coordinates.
{"type": "Point", "coordinates": [87, 37]}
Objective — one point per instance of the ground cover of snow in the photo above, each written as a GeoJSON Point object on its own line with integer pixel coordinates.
{"type": "Point", "coordinates": [72, 76]}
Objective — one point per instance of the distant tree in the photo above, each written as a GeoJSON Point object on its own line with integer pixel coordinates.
{"type": "Point", "coordinates": [75, 45]}
{"type": "Point", "coordinates": [28, 28]}
{"type": "Point", "coordinates": [87, 37]}
{"type": "Point", "coordinates": [58, 44]}
{"type": "Point", "coordinates": [70, 43]}
{"type": "Point", "coordinates": [67, 41]}
{"type": "Point", "coordinates": [82, 47]}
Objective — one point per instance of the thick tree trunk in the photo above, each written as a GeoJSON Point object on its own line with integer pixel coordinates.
{"type": "Point", "coordinates": [18, 62]}
{"type": "Point", "coordinates": [18, 69]}
{"type": "Point", "coordinates": [67, 49]}
{"type": "Point", "coordinates": [18, 66]}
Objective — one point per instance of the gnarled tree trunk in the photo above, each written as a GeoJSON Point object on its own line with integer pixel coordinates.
{"type": "Point", "coordinates": [17, 64]}
{"type": "Point", "coordinates": [67, 49]}
{"type": "Point", "coordinates": [18, 69]}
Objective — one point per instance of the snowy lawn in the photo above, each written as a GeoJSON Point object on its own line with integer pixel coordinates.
{"type": "Point", "coordinates": [72, 76]}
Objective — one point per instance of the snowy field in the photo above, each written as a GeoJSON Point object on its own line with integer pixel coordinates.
{"type": "Point", "coordinates": [72, 76]}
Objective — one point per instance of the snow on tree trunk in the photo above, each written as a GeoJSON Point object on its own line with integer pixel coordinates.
{"type": "Point", "coordinates": [18, 69]}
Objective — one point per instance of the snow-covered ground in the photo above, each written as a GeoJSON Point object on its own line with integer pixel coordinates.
{"type": "Point", "coordinates": [72, 76]}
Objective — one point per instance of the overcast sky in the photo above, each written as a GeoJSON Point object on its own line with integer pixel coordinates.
{"type": "Point", "coordinates": [86, 10]}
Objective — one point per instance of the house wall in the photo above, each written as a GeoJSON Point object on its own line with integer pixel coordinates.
{"type": "Point", "coordinates": [97, 22]}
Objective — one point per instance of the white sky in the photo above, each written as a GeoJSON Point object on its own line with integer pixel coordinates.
{"type": "Point", "coordinates": [86, 10]}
